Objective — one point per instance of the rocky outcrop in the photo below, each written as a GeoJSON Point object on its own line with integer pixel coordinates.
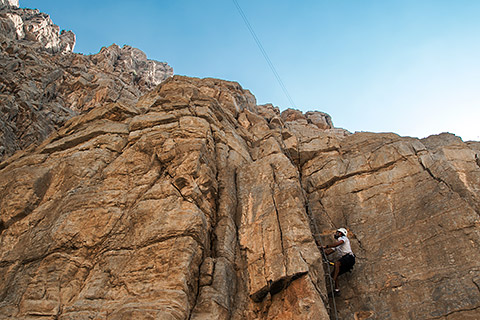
{"type": "Point", "coordinates": [44, 83]}
{"type": "Point", "coordinates": [35, 26]}
{"type": "Point", "coordinates": [9, 3]}
{"type": "Point", "coordinates": [195, 203]}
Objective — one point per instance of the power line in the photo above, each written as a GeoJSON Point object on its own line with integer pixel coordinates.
{"type": "Point", "coordinates": [264, 53]}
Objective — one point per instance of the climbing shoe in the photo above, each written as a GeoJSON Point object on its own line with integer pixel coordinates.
{"type": "Point", "coordinates": [334, 294]}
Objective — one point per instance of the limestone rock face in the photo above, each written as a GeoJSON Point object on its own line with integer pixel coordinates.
{"type": "Point", "coordinates": [33, 25]}
{"type": "Point", "coordinates": [10, 3]}
{"type": "Point", "coordinates": [152, 210]}
{"type": "Point", "coordinates": [412, 209]}
{"type": "Point", "coordinates": [196, 203]}
{"type": "Point", "coordinates": [44, 83]}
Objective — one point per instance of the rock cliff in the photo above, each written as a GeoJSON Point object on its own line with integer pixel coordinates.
{"type": "Point", "coordinates": [195, 203]}
{"type": "Point", "coordinates": [43, 83]}
{"type": "Point", "coordinates": [187, 200]}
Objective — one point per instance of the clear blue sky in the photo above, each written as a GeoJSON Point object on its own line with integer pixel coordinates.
{"type": "Point", "coordinates": [406, 66]}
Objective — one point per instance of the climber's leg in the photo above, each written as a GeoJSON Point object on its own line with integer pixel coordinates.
{"type": "Point", "coordinates": [336, 271]}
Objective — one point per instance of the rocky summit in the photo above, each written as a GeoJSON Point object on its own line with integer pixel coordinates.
{"type": "Point", "coordinates": [43, 83]}
{"type": "Point", "coordinates": [126, 193]}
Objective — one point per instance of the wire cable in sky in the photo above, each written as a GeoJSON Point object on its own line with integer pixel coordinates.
{"type": "Point", "coordinates": [264, 53]}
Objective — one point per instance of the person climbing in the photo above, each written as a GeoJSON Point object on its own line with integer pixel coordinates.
{"type": "Point", "coordinates": [344, 257]}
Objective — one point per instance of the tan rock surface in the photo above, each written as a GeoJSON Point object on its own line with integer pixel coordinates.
{"type": "Point", "coordinates": [412, 207]}
{"type": "Point", "coordinates": [195, 203]}
{"type": "Point", "coordinates": [108, 197]}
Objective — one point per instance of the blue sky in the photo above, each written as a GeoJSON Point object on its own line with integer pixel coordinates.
{"type": "Point", "coordinates": [406, 66]}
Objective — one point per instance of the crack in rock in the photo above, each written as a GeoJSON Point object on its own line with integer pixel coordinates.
{"type": "Point", "coordinates": [274, 287]}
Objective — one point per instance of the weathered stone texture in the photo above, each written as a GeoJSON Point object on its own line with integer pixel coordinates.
{"type": "Point", "coordinates": [32, 25]}
{"type": "Point", "coordinates": [10, 3]}
{"type": "Point", "coordinates": [107, 198]}
{"type": "Point", "coordinates": [43, 84]}
{"type": "Point", "coordinates": [412, 207]}
{"type": "Point", "coordinates": [195, 203]}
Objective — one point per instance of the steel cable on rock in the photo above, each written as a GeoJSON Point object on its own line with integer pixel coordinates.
{"type": "Point", "coordinates": [324, 257]}
{"type": "Point", "coordinates": [282, 85]}
{"type": "Point", "coordinates": [264, 53]}
{"type": "Point", "coordinates": [314, 225]}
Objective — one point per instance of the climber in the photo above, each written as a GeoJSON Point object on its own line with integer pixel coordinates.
{"type": "Point", "coordinates": [344, 257]}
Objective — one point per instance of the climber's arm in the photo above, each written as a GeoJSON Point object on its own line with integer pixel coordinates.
{"type": "Point", "coordinates": [336, 244]}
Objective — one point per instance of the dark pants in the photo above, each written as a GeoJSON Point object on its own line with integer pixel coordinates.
{"type": "Point", "coordinates": [346, 263]}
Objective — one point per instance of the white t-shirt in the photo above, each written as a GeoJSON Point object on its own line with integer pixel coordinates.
{"type": "Point", "coordinates": [344, 248]}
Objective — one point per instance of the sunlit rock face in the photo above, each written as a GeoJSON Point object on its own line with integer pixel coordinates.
{"type": "Point", "coordinates": [37, 27]}
{"type": "Point", "coordinates": [413, 210]}
{"type": "Point", "coordinates": [146, 196]}
{"type": "Point", "coordinates": [196, 203]}
{"type": "Point", "coordinates": [9, 3]}
{"type": "Point", "coordinates": [158, 195]}
{"type": "Point", "coordinates": [45, 84]}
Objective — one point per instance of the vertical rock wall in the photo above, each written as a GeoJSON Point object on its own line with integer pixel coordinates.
{"type": "Point", "coordinates": [195, 203]}
{"type": "Point", "coordinates": [149, 214]}
{"type": "Point", "coordinates": [412, 209]}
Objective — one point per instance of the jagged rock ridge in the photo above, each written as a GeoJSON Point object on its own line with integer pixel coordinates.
{"type": "Point", "coordinates": [9, 3]}
{"type": "Point", "coordinates": [43, 83]}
